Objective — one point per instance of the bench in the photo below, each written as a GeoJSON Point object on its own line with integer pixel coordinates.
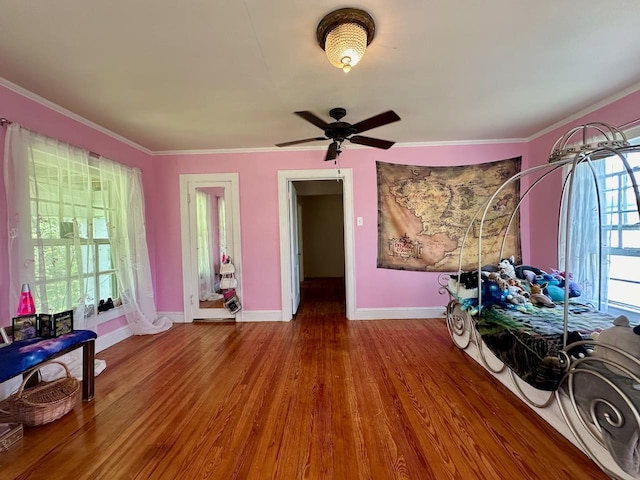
{"type": "Point", "coordinates": [21, 356]}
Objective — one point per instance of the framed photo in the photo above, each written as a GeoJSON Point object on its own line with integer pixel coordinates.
{"type": "Point", "coordinates": [25, 327]}
{"type": "Point", "coordinates": [62, 323]}
{"type": "Point", "coordinates": [54, 325]}
{"type": "Point", "coordinates": [45, 325]}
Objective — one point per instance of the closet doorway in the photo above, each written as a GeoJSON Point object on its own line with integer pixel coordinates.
{"type": "Point", "coordinates": [210, 217]}
{"type": "Point", "coordinates": [312, 246]}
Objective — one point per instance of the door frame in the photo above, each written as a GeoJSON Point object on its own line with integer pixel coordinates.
{"type": "Point", "coordinates": [284, 178]}
{"type": "Point", "coordinates": [188, 185]}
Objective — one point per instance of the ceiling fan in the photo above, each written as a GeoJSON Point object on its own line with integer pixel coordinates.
{"type": "Point", "coordinates": [339, 131]}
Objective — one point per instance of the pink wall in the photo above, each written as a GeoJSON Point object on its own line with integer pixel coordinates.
{"type": "Point", "coordinates": [33, 115]}
{"type": "Point", "coordinates": [545, 201]}
{"type": "Point", "coordinates": [375, 288]}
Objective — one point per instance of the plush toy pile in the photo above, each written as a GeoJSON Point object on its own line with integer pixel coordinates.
{"type": "Point", "coordinates": [514, 286]}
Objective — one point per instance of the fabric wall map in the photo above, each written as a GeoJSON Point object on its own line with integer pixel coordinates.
{"type": "Point", "coordinates": [424, 212]}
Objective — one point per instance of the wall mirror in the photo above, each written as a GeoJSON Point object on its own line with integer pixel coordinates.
{"type": "Point", "coordinates": [210, 235]}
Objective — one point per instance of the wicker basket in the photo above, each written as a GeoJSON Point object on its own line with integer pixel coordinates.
{"type": "Point", "coordinates": [44, 403]}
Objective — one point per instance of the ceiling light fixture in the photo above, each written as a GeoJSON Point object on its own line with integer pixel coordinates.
{"type": "Point", "coordinates": [344, 35]}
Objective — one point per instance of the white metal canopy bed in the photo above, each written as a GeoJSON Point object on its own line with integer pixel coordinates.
{"type": "Point", "coordinates": [546, 354]}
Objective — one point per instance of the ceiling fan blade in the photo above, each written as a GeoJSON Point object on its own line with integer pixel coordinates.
{"type": "Point", "coordinates": [295, 142]}
{"type": "Point", "coordinates": [371, 142]}
{"type": "Point", "coordinates": [312, 118]}
{"type": "Point", "coordinates": [332, 152]}
{"type": "Point", "coordinates": [376, 121]}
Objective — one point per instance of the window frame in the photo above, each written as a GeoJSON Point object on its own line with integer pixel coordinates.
{"type": "Point", "coordinates": [92, 274]}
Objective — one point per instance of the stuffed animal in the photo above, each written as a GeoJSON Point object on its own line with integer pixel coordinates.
{"type": "Point", "coordinates": [496, 278]}
{"type": "Point", "coordinates": [552, 290]}
{"type": "Point", "coordinates": [622, 336]}
{"type": "Point", "coordinates": [539, 298]}
{"type": "Point", "coordinates": [574, 288]}
{"type": "Point", "coordinates": [506, 267]}
{"type": "Point", "coordinates": [527, 272]}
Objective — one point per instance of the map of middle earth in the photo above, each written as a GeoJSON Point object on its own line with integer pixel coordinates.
{"type": "Point", "coordinates": [424, 213]}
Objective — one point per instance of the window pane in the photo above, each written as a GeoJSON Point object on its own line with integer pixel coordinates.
{"type": "Point", "coordinates": [631, 238]}
{"type": "Point", "coordinates": [100, 225]}
{"type": "Point", "coordinates": [624, 292]}
{"type": "Point", "coordinates": [49, 226]}
{"type": "Point", "coordinates": [104, 257]}
{"type": "Point", "coordinates": [55, 262]}
{"type": "Point", "coordinates": [107, 285]}
{"type": "Point", "coordinates": [90, 290]}
{"type": "Point", "coordinates": [88, 260]}
{"type": "Point", "coordinates": [624, 267]}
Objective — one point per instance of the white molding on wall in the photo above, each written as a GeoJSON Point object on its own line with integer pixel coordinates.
{"type": "Point", "coordinates": [284, 178]}
{"type": "Point", "coordinates": [188, 185]}
{"type": "Point", "coordinates": [68, 113]}
{"type": "Point", "coordinates": [261, 316]}
{"type": "Point", "coordinates": [423, 313]}
{"type": "Point", "coordinates": [175, 317]}
{"type": "Point", "coordinates": [586, 111]}
{"type": "Point", "coordinates": [109, 339]}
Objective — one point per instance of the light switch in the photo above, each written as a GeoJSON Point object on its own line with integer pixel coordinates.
{"type": "Point", "coordinates": [359, 221]}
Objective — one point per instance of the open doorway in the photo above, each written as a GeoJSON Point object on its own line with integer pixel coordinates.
{"type": "Point", "coordinates": [319, 220]}
{"type": "Point", "coordinates": [296, 253]}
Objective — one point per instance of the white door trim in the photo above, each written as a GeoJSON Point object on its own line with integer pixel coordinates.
{"type": "Point", "coordinates": [188, 185]}
{"type": "Point", "coordinates": [286, 176]}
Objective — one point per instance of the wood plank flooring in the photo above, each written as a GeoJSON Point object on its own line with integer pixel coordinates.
{"type": "Point", "coordinates": [317, 398]}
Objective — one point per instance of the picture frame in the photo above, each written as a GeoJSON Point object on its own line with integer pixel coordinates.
{"type": "Point", "coordinates": [25, 327]}
{"type": "Point", "coordinates": [54, 325]}
{"type": "Point", "coordinates": [63, 322]}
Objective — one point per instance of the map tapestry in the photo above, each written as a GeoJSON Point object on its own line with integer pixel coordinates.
{"type": "Point", "coordinates": [424, 212]}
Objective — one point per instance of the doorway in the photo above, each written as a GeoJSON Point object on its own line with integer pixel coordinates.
{"type": "Point", "coordinates": [293, 187]}
{"type": "Point", "coordinates": [209, 207]}
{"type": "Point", "coordinates": [319, 238]}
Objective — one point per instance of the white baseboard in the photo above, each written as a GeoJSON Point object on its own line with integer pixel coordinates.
{"type": "Point", "coordinates": [175, 317]}
{"type": "Point", "coordinates": [361, 314]}
{"type": "Point", "coordinates": [260, 316]}
{"type": "Point", "coordinates": [398, 313]}
{"type": "Point", "coordinates": [109, 339]}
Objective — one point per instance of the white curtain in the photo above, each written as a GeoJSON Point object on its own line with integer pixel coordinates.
{"type": "Point", "coordinates": [588, 261]}
{"type": "Point", "coordinates": [48, 184]}
{"type": "Point", "coordinates": [204, 235]}
{"type": "Point", "coordinates": [128, 238]}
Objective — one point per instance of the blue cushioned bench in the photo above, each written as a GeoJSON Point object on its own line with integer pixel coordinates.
{"type": "Point", "coordinates": [23, 355]}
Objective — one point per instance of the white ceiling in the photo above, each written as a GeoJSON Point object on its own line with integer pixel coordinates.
{"type": "Point", "coordinates": [209, 75]}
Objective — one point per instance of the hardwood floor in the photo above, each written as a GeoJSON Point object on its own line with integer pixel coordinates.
{"type": "Point", "coordinates": [317, 398]}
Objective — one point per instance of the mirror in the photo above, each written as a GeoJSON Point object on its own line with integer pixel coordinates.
{"type": "Point", "coordinates": [211, 244]}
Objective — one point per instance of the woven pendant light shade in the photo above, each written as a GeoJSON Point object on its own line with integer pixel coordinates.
{"type": "Point", "coordinates": [344, 36]}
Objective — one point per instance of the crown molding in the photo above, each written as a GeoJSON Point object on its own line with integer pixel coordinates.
{"type": "Point", "coordinates": [586, 111]}
{"type": "Point", "coordinates": [324, 147]}
{"type": "Point", "coordinates": [69, 114]}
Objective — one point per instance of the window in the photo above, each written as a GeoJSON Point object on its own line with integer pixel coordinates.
{"type": "Point", "coordinates": [621, 223]}
{"type": "Point", "coordinates": [70, 212]}
{"type": "Point", "coordinates": [605, 250]}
